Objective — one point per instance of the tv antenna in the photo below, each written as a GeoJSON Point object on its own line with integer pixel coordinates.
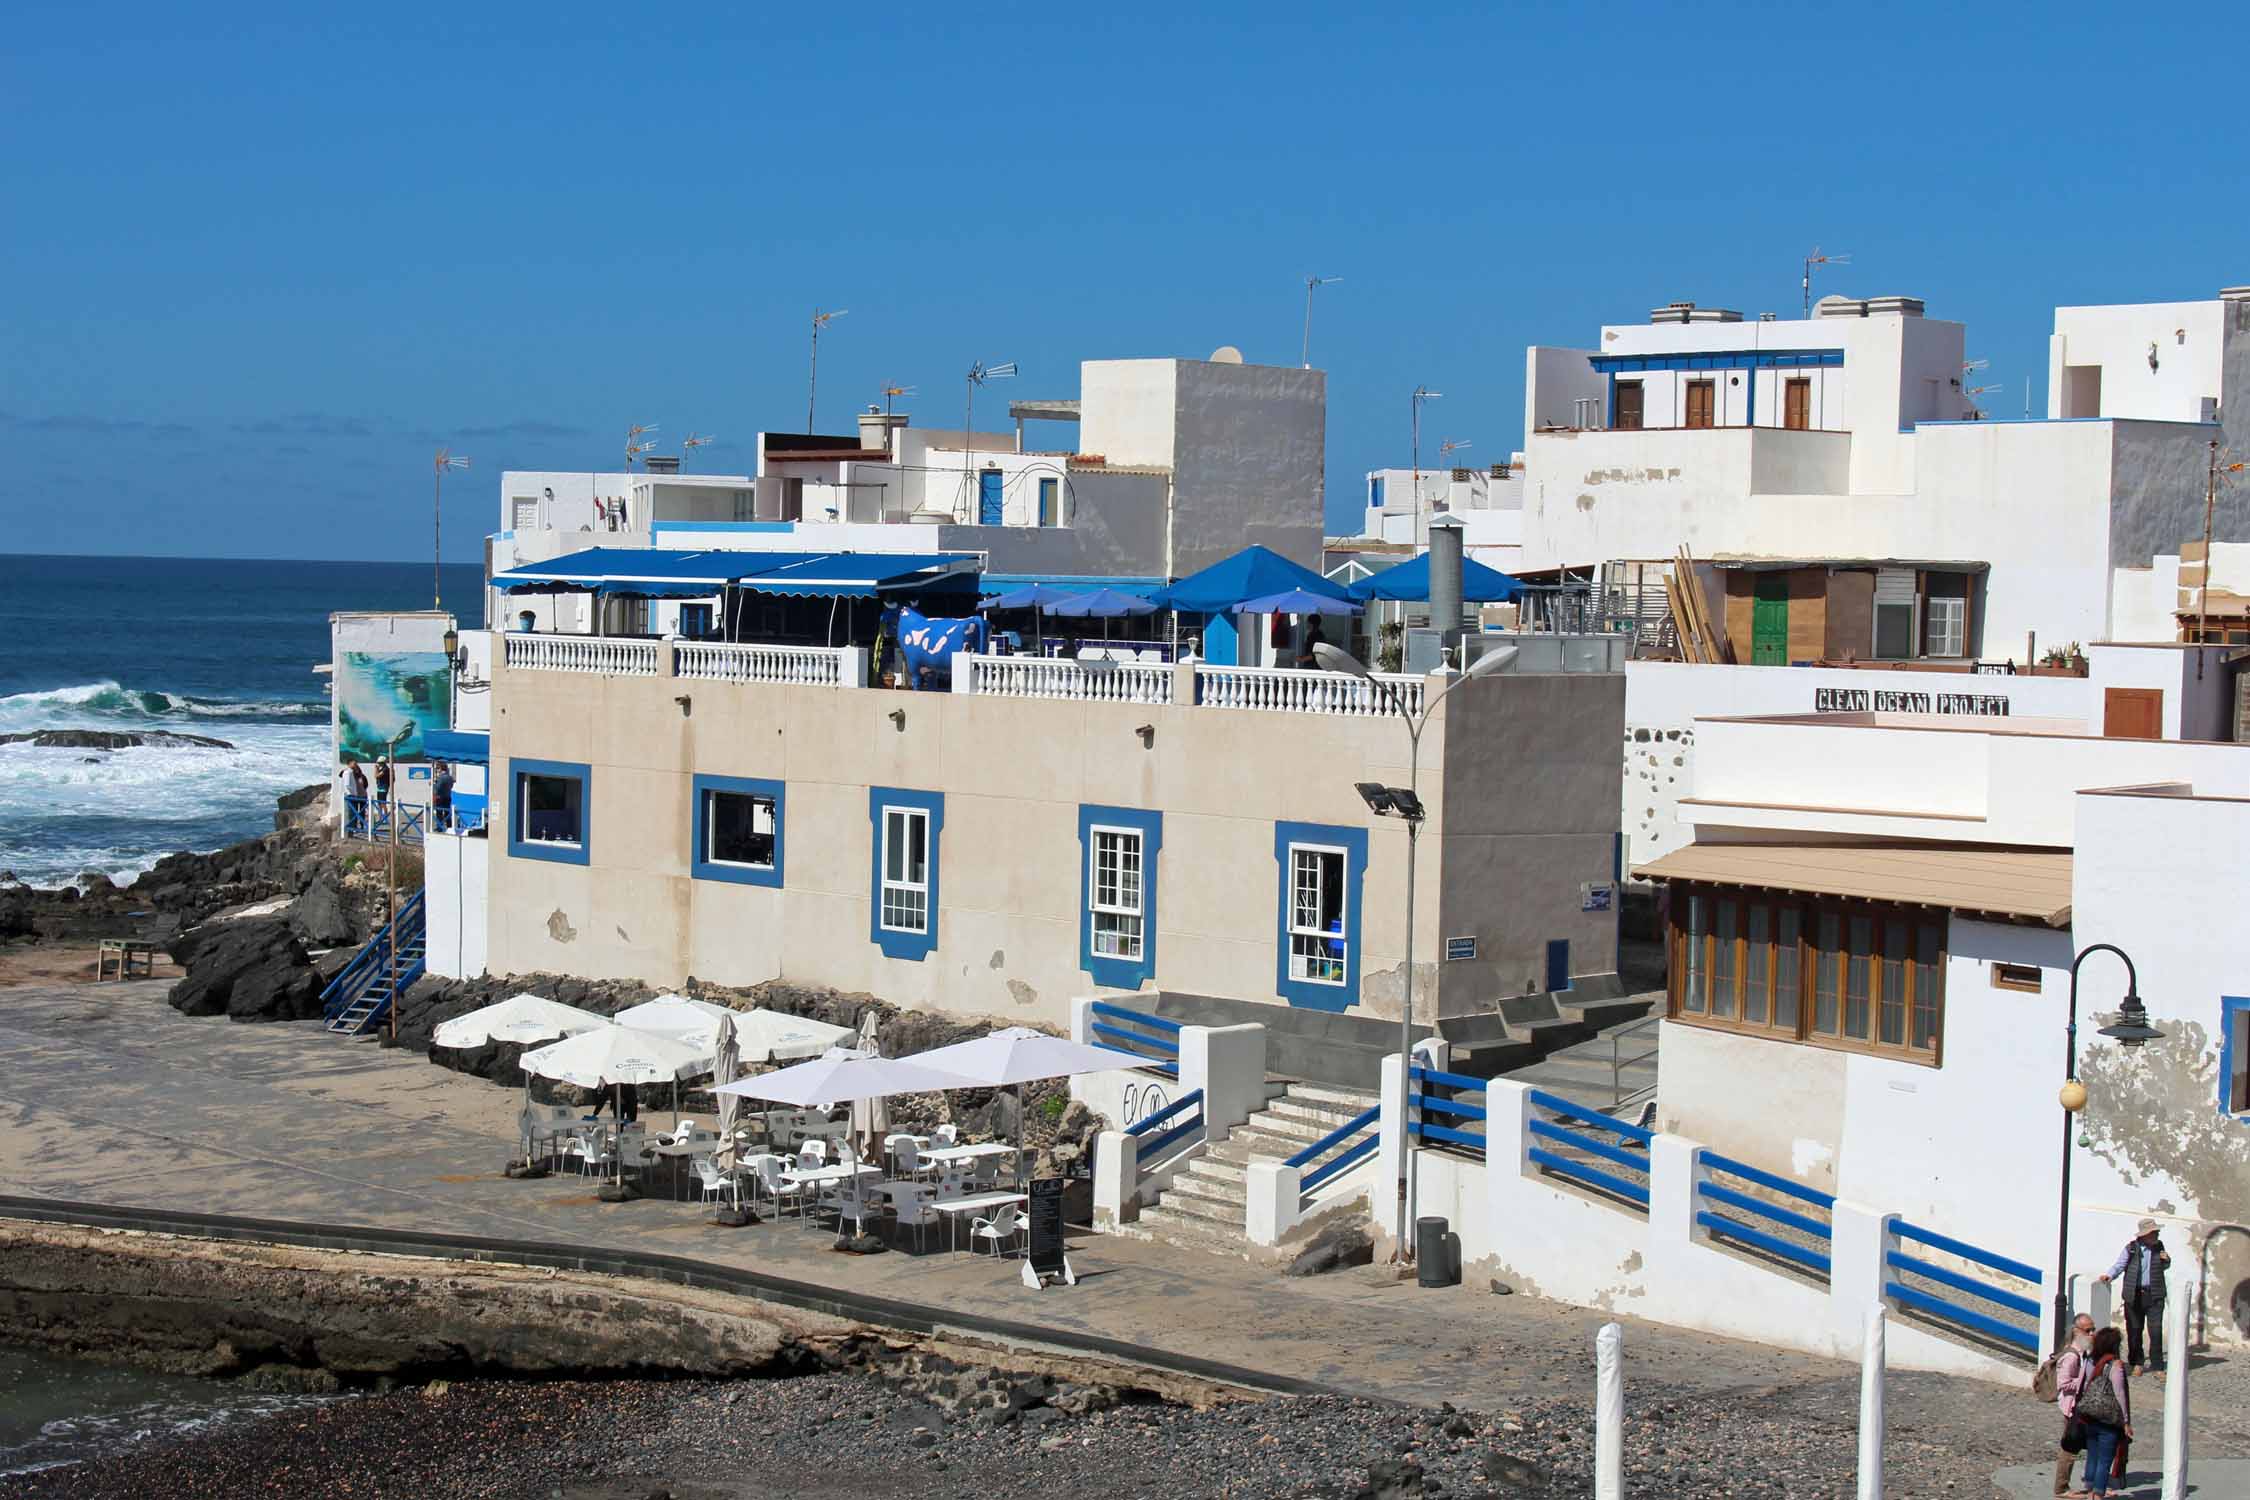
{"type": "Point", "coordinates": [979, 373]}
{"type": "Point", "coordinates": [1312, 283]}
{"type": "Point", "coordinates": [691, 442]}
{"type": "Point", "coordinates": [446, 459]}
{"type": "Point", "coordinates": [634, 447]}
{"type": "Point", "coordinates": [1818, 259]}
{"type": "Point", "coordinates": [820, 320]}
{"type": "Point", "coordinates": [1448, 448]}
{"type": "Point", "coordinates": [892, 391]}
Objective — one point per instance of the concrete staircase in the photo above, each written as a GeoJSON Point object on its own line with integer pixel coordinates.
{"type": "Point", "coordinates": [1203, 1208]}
{"type": "Point", "coordinates": [1599, 1069]}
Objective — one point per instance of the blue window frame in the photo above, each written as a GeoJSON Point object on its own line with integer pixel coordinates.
{"type": "Point", "coordinates": [737, 828]}
{"type": "Point", "coordinates": [1050, 502]}
{"type": "Point", "coordinates": [550, 810]}
{"type": "Point", "coordinates": [902, 909]}
{"type": "Point", "coordinates": [2234, 1056]}
{"type": "Point", "coordinates": [1317, 914]}
{"type": "Point", "coordinates": [695, 621]}
{"type": "Point", "coordinates": [1117, 848]}
{"type": "Point", "coordinates": [1375, 491]}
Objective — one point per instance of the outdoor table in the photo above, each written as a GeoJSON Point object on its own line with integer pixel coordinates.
{"type": "Point", "coordinates": [821, 1176]}
{"type": "Point", "coordinates": [953, 1208]}
{"type": "Point", "coordinates": [943, 1155]}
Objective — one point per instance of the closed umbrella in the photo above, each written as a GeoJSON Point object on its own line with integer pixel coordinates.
{"type": "Point", "coordinates": [871, 1118]}
{"type": "Point", "coordinates": [726, 1064]}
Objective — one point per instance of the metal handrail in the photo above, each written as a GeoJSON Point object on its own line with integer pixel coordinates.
{"type": "Point", "coordinates": [1617, 1065]}
{"type": "Point", "coordinates": [1966, 1251]}
{"type": "Point", "coordinates": [1350, 1127]}
{"type": "Point", "coordinates": [1148, 1149]}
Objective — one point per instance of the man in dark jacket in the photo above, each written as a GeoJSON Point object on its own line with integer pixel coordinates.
{"type": "Point", "coordinates": [2142, 1264]}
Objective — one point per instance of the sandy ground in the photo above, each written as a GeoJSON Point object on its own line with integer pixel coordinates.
{"type": "Point", "coordinates": [49, 962]}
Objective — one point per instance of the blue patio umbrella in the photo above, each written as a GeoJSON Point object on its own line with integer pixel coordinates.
{"type": "Point", "coordinates": [1411, 581]}
{"type": "Point", "coordinates": [1298, 602]}
{"type": "Point", "coordinates": [1032, 596]}
{"type": "Point", "coordinates": [1102, 604]}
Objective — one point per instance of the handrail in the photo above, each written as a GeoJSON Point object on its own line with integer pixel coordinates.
{"type": "Point", "coordinates": [1764, 1179]}
{"type": "Point", "coordinates": [1342, 1161]}
{"type": "Point", "coordinates": [1593, 1117]}
{"type": "Point", "coordinates": [1295, 690]}
{"type": "Point", "coordinates": [1137, 1017]}
{"type": "Point", "coordinates": [1966, 1251]}
{"type": "Point", "coordinates": [1148, 1149]}
{"type": "Point", "coordinates": [1150, 1122]}
{"type": "Point", "coordinates": [1450, 1080]}
{"type": "Point", "coordinates": [1350, 1127]}
{"type": "Point", "coordinates": [619, 657]}
{"type": "Point", "coordinates": [744, 661]}
{"type": "Point", "coordinates": [1772, 1244]}
{"type": "Point", "coordinates": [1563, 1166]}
{"type": "Point", "coordinates": [1938, 1307]}
{"type": "Point", "coordinates": [1618, 1065]}
{"type": "Point", "coordinates": [1587, 1143]}
{"type": "Point", "coordinates": [1062, 677]}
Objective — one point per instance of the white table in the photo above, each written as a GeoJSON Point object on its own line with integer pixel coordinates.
{"type": "Point", "coordinates": [953, 1208]}
{"type": "Point", "coordinates": [946, 1155]}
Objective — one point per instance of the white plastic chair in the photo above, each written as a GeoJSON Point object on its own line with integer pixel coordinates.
{"type": "Point", "coordinates": [714, 1182]}
{"type": "Point", "coordinates": [1001, 1228]}
{"type": "Point", "coordinates": [910, 1201]}
{"type": "Point", "coordinates": [782, 1191]}
{"type": "Point", "coordinates": [906, 1157]}
{"type": "Point", "coordinates": [947, 1135]}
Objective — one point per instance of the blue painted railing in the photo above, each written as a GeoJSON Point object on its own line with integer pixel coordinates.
{"type": "Point", "coordinates": [369, 819]}
{"type": "Point", "coordinates": [1584, 1172]}
{"type": "Point", "coordinates": [359, 998]}
{"type": "Point", "coordinates": [1948, 1310]}
{"type": "Point", "coordinates": [1815, 1257]}
{"type": "Point", "coordinates": [1140, 1132]}
{"type": "Point", "coordinates": [1361, 1134]}
{"type": "Point", "coordinates": [1420, 1101]}
{"type": "Point", "coordinates": [1157, 1039]}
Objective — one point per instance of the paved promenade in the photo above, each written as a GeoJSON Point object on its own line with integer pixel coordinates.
{"type": "Point", "coordinates": [107, 1094]}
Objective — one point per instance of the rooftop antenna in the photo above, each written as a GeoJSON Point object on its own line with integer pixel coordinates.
{"type": "Point", "coordinates": [446, 459]}
{"type": "Point", "coordinates": [693, 442]}
{"type": "Point", "coordinates": [634, 447]}
{"type": "Point", "coordinates": [979, 373]}
{"type": "Point", "coordinates": [820, 320]}
{"type": "Point", "coordinates": [2027, 398]}
{"type": "Point", "coordinates": [891, 391]}
{"type": "Point", "coordinates": [1312, 282]}
{"type": "Point", "coordinates": [1818, 259]}
{"type": "Point", "coordinates": [1422, 393]}
{"type": "Point", "coordinates": [1448, 448]}
{"type": "Point", "coordinates": [1970, 393]}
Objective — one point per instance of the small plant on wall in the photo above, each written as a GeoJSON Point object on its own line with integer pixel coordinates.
{"type": "Point", "coordinates": [1390, 653]}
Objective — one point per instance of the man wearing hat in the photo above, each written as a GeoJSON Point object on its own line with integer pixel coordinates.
{"type": "Point", "coordinates": [2143, 1263]}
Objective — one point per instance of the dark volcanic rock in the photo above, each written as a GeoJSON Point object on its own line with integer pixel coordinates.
{"type": "Point", "coordinates": [111, 739]}
{"type": "Point", "coordinates": [253, 969]}
{"type": "Point", "coordinates": [1337, 1246]}
{"type": "Point", "coordinates": [319, 915]}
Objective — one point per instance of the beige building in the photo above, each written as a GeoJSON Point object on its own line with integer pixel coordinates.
{"type": "Point", "coordinates": [1047, 829]}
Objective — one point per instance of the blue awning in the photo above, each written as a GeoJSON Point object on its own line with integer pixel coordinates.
{"type": "Point", "coordinates": [866, 575]}
{"type": "Point", "coordinates": [1056, 585]}
{"type": "Point", "coordinates": [1411, 580]}
{"type": "Point", "coordinates": [663, 573]}
{"type": "Point", "coordinates": [457, 745]}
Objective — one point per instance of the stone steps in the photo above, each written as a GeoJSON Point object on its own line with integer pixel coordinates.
{"type": "Point", "coordinates": [1205, 1205]}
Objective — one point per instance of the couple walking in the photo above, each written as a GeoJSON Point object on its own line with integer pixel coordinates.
{"type": "Point", "coordinates": [2092, 1383]}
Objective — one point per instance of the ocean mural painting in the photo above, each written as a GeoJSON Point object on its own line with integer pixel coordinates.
{"type": "Point", "coordinates": [378, 693]}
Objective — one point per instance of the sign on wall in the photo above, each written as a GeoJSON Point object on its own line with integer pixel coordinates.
{"type": "Point", "coordinates": [1459, 948]}
{"type": "Point", "coordinates": [1596, 895]}
{"type": "Point", "coordinates": [1892, 701]}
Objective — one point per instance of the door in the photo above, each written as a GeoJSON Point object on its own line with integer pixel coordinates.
{"type": "Point", "coordinates": [2133, 713]}
{"type": "Point", "coordinates": [1702, 397]}
{"type": "Point", "coordinates": [990, 511]}
{"type": "Point", "coordinates": [1796, 404]}
{"type": "Point", "coordinates": [1627, 417]}
{"type": "Point", "coordinates": [1558, 965]}
{"type": "Point", "coordinates": [1769, 621]}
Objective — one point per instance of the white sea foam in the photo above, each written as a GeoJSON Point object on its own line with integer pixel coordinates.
{"type": "Point", "coordinates": [102, 704]}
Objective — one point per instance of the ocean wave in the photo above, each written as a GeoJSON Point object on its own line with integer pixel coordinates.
{"type": "Point", "coordinates": [65, 707]}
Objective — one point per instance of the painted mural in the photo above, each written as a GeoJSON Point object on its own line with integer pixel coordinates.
{"type": "Point", "coordinates": [378, 693]}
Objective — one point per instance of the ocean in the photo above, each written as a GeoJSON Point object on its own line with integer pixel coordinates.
{"type": "Point", "coordinates": [62, 1411]}
{"type": "Point", "coordinates": [221, 647]}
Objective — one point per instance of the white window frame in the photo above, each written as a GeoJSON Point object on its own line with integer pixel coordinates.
{"type": "Point", "coordinates": [905, 883]}
{"type": "Point", "coordinates": [524, 835]}
{"type": "Point", "coordinates": [1953, 631]}
{"type": "Point", "coordinates": [1114, 940]}
{"type": "Point", "coordinates": [711, 828]}
{"type": "Point", "coordinates": [1302, 964]}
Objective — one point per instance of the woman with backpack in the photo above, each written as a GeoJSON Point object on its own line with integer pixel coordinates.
{"type": "Point", "coordinates": [2104, 1411]}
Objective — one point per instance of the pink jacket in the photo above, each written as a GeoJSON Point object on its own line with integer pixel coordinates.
{"type": "Point", "coordinates": [2071, 1372]}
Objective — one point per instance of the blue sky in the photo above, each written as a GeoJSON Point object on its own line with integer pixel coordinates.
{"type": "Point", "coordinates": [259, 264]}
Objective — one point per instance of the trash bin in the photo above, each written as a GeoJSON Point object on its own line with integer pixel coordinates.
{"type": "Point", "coordinates": [1435, 1256]}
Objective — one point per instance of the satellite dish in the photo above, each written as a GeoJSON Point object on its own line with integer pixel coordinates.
{"type": "Point", "coordinates": [1226, 354]}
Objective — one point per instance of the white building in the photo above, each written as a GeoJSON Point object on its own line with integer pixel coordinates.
{"type": "Point", "coordinates": [1848, 439]}
{"type": "Point", "coordinates": [1487, 503]}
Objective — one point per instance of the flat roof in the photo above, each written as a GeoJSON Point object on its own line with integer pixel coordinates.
{"type": "Point", "coordinates": [2018, 884]}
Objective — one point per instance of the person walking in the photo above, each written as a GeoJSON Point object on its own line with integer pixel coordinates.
{"type": "Point", "coordinates": [2071, 1365]}
{"type": "Point", "coordinates": [2104, 1408]}
{"type": "Point", "coordinates": [2143, 1263]}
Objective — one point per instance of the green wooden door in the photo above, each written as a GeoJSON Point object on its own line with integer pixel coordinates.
{"type": "Point", "coordinates": [1769, 621]}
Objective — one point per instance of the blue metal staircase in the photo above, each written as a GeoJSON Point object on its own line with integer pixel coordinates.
{"type": "Point", "coordinates": [359, 998]}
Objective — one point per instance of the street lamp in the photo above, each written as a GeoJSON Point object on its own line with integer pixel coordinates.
{"type": "Point", "coordinates": [2130, 1030]}
{"type": "Point", "coordinates": [1405, 802]}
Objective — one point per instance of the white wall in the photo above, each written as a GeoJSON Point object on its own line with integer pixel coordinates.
{"type": "Point", "coordinates": [455, 873]}
{"type": "Point", "coordinates": [1555, 380]}
{"type": "Point", "coordinates": [2116, 341]}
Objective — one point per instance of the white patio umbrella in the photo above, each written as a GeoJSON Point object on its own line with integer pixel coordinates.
{"type": "Point", "coordinates": [519, 1018]}
{"type": "Point", "coordinates": [843, 1074]}
{"type": "Point", "coordinates": [726, 1064]}
{"type": "Point", "coordinates": [694, 1022]}
{"type": "Point", "coordinates": [775, 1036]}
{"type": "Point", "coordinates": [614, 1057]}
{"type": "Point", "coordinates": [1019, 1055]}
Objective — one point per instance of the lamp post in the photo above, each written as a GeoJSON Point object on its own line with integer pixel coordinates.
{"type": "Point", "coordinates": [2130, 1030]}
{"type": "Point", "coordinates": [1405, 802]}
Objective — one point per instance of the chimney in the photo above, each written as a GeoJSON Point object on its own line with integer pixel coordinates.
{"type": "Point", "coordinates": [876, 426]}
{"type": "Point", "coordinates": [661, 463]}
{"type": "Point", "coordinates": [1445, 586]}
{"type": "Point", "coordinates": [1688, 312]}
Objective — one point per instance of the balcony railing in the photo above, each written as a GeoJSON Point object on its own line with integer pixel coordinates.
{"type": "Point", "coordinates": [582, 653]}
{"type": "Point", "coordinates": [1290, 690]}
{"type": "Point", "coordinates": [808, 666]}
{"type": "Point", "coordinates": [1058, 677]}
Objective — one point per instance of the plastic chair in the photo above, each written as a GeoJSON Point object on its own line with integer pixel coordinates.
{"type": "Point", "coordinates": [947, 1135]}
{"type": "Point", "coordinates": [714, 1182]}
{"type": "Point", "coordinates": [910, 1201]}
{"type": "Point", "coordinates": [1001, 1228]}
{"type": "Point", "coordinates": [782, 1191]}
{"type": "Point", "coordinates": [812, 1154]}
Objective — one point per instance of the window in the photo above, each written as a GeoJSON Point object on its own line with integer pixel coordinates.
{"type": "Point", "coordinates": [737, 830]}
{"type": "Point", "coordinates": [1625, 410]}
{"type": "Point", "coordinates": [2024, 977]}
{"type": "Point", "coordinates": [1796, 403]}
{"type": "Point", "coordinates": [907, 861]}
{"type": "Point", "coordinates": [523, 512]}
{"type": "Point", "coordinates": [1845, 974]}
{"type": "Point", "coordinates": [2234, 1054]}
{"type": "Point", "coordinates": [695, 621]}
{"type": "Point", "coordinates": [1116, 901]}
{"type": "Point", "coordinates": [549, 811]}
{"type": "Point", "coordinates": [1316, 914]}
{"type": "Point", "coordinates": [906, 870]}
{"type": "Point", "coordinates": [1946, 633]}
{"type": "Point", "coordinates": [1374, 492]}
{"type": "Point", "coordinates": [1702, 402]}
{"type": "Point", "coordinates": [1050, 502]}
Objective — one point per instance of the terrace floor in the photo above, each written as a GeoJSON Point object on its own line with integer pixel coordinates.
{"type": "Point", "coordinates": [109, 1095]}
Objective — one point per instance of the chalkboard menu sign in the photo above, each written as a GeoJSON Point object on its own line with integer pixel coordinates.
{"type": "Point", "coordinates": [1045, 1220]}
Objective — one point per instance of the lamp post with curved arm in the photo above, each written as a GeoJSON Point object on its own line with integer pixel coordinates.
{"type": "Point", "coordinates": [2131, 1029]}
{"type": "Point", "coordinates": [1405, 802]}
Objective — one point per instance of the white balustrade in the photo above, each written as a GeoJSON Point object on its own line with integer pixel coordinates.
{"type": "Point", "coordinates": [1290, 690]}
{"type": "Point", "coordinates": [580, 653]}
{"type": "Point", "coordinates": [1059, 677]}
{"type": "Point", "coordinates": [808, 666]}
